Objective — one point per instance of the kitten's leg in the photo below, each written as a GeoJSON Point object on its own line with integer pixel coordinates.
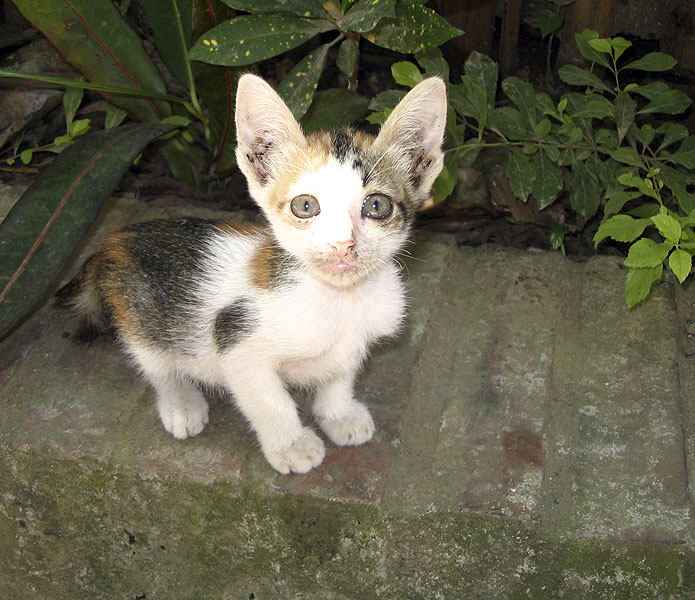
{"type": "Point", "coordinates": [181, 405]}
{"type": "Point", "coordinates": [262, 398]}
{"type": "Point", "coordinates": [344, 420]}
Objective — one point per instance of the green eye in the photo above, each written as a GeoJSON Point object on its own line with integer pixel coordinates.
{"type": "Point", "coordinates": [305, 206]}
{"type": "Point", "coordinates": [377, 206]}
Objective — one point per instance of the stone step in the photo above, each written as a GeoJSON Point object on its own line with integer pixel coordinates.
{"type": "Point", "coordinates": [534, 439]}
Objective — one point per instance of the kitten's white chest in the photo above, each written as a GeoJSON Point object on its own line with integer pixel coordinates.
{"type": "Point", "coordinates": [324, 330]}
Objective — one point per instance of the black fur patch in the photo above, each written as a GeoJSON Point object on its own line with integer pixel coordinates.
{"type": "Point", "coordinates": [170, 256]}
{"type": "Point", "coordinates": [233, 323]}
{"type": "Point", "coordinates": [342, 144]}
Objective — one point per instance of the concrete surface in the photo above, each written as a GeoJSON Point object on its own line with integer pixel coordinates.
{"type": "Point", "coordinates": [535, 440]}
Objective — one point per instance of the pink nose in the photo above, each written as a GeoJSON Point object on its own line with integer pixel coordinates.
{"type": "Point", "coordinates": [342, 248]}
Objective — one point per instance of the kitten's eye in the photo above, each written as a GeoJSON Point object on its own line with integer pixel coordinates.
{"type": "Point", "coordinates": [377, 206]}
{"type": "Point", "coordinates": [305, 206]}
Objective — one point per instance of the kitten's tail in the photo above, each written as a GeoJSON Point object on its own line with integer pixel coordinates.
{"type": "Point", "coordinates": [81, 296]}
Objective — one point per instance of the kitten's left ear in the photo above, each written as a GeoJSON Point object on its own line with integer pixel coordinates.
{"type": "Point", "coordinates": [265, 129]}
{"type": "Point", "coordinates": [415, 129]}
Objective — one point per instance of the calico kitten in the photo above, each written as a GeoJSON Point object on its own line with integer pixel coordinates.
{"type": "Point", "coordinates": [254, 309]}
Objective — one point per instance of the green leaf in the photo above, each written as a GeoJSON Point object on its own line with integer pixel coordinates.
{"type": "Point", "coordinates": [252, 38]}
{"type": "Point", "coordinates": [624, 113]}
{"type": "Point", "coordinates": [678, 181]}
{"type": "Point", "coordinates": [510, 122]}
{"type": "Point", "coordinates": [348, 57]}
{"type": "Point", "coordinates": [71, 102]}
{"type": "Point", "coordinates": [521, 173]}
{"type": "Point", "coordinates": [584, 193]}
{"type": "Point", "coordinates": [171, 25]}
{"type": "Point", "coordinates": [630, 180]}
{"type": "Point", "coordinates": [628, 156]}
{"type": "Point", "coordinates": [41, 231]}
{"type": "Point", "coordinates": [679, 158]}
{"type": "Point", "coordinates": [332, 108]}
{"type": "Point", "coordinates": [680, 262]}
{"type": "Point", "coordinates": [444, 185]}
{"type": "Point", "coordinates": [365, 14]}
{"type": "Point", "coordinates": [79, 127]}
{"type": "Point", "coordinates": [587, 51]}
{"type": "Point", "coordinates": [606, 139]}
{"type": "Point", "coordinates": [654, 61]}
{"type": "Point", "coordinates": [543, 128]}
{"type": "Point", "coordinates": [619, 45]}
{"type": "Point", "coordinates": [92, 36]}
{"type": "Point", "coordinates": [406, 73]}
{"type": "Point", "coordinates": [415, 28]}
{"type": "Point", "coordinates": [596, 107]}
{"type": "Point", "coordinates": [298, 87]}
{"type": "Point", "coordinates": [639, 282]}
{"type": "Point", "coordinates": [616, 201]}
{"type": "Point", "coordinates": [548, 22]}
{"type": "Point", "coordinates": [434, 63]}
{"type": "Point", "coordinates": [668, 227]}
{"type": "Point", "coordinates": [548, 182]}
{"type": "Point", "coordinates": [522, 94]}
{"type": "Point", "coordinates": [672, 102]}
{"type": "Point", "coordinates": [600, 45]}
{"type": "Point", "coordinates": [647, 253]}
{"type": "Point", "coordinates": [644, 135]}
{"type": "Point", "coordinates": [672, 132]}
{"type": "Point", "coordinates": [27, 155]}
{"type": "Point", "coordinates": [652, 90]}
{"type": "Point", "coordinates": [470, 99]}
{"type": "Point", "coordinates": [484, 70]}
{"type": "Point", "coordinates": [301, 8]}
{"type": "Point", "coordinates": [576, 76]}
{"type": "Point", "coordinates": [621, 228]}
{"type": "Point", "coordinates": [114, 117]}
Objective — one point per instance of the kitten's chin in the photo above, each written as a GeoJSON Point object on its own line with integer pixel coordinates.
{"type": "Point", "coordinates": [340, 274]}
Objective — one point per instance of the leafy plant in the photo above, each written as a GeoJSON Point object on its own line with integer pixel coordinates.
{"type": "Point", "coordinates": [609, 147]}
{"type": "Point", "coordinates": [274, 27]}
{"type": "Point", "coordinates": [94, 38]}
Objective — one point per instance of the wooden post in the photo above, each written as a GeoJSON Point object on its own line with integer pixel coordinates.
{"type": "Point", "coordinates": [476, 18]}
{"type": "Point", "coordinates": [509, 45]}
{"type": "Point", "coordinates": [585, 14]}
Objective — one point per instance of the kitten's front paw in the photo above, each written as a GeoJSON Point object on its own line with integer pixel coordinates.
{"type": "Point", "coordinates": [184, 421]}
{"type": "Point", "coordinates": [302, 456]}
{"type": "Point", "coordinates": [355, 428]}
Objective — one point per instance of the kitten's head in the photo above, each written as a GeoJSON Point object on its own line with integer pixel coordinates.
{"type": "Point", "coordinates": [340, 201]}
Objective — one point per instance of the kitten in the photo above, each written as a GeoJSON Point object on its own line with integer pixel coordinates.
{"type": "Point", "coordinates": [254, 309]}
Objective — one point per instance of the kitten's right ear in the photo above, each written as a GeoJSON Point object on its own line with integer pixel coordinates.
{"type": "Point", "coordinates": [265, 128]}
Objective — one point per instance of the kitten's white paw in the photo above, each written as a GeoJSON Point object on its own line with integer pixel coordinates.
{"type": "Point", "coordinates": [355, 428]}
{"type": "Point", "coordinates": [302, 456]}
{"type": "Point", "coordinates": [185, 419]}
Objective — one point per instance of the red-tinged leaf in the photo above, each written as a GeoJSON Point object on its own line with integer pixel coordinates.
{"type": "Point", "coordinates": [216, 85]}
{"type": "Point", "coordinates": [41, 231]}
{"type": "Point", "coordinates": [93, 37]}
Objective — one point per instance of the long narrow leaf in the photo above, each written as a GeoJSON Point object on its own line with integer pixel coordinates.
{"type": "Point", "coordinates": [93, 37]}
{"type": "Point", "coordinates": [41, 231]}
{"type": "Point", "coordinates": [96, 87]}
{"type": "Point", "coordinates": [172, 28]}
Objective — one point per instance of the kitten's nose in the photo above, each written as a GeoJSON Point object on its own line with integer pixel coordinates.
{"type": "Point", "coordinates": [342, 249]}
